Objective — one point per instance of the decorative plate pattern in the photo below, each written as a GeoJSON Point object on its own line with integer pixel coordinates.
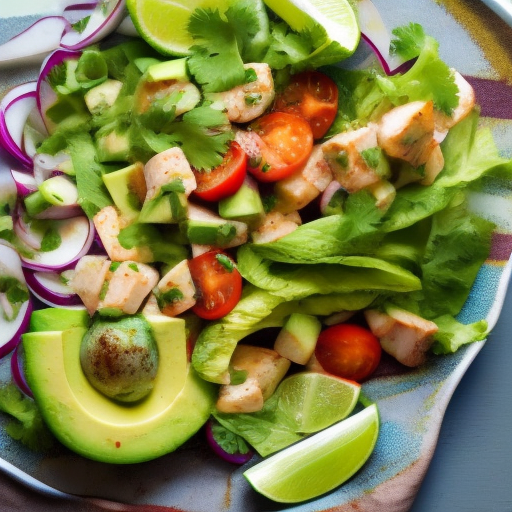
{"type": "Point", "coordinates": [411, 403]}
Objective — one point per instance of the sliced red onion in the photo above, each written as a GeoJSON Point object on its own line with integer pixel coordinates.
{"type": "Point", "coordinates": [104, 19]}
{"type": "Point", "coordinates": [49, 288]}
{"type": "Point", "coordinates": [76, 12]}
{"type": "Point", "coordinates": [233, 458]}
{"type": "Point", "coordinates": [34, 132]}
{"type": "Point", "coordinates": [375, 33]}
{"type": "Point", "coordinates": [45, 166]}
{"type": "Point", "coordinates": [18, 372]}
{"type": "Point", "coordinates": [25, 182]}
{"type": "Point", "coordinates": [33, 44]}
{"type": "Point", "coordinates": [46, 96]}
{"type": "Point", "coordinates": [327, 194]}
{"type": "Point", "coordinates": [15, 109]}
{"type": "Point", "coordinates": [11, 331]}
{"type": "Point", "coordinates": [60, 212]}
{"type": "Point", "coordinates": [77, 236]}
{"type": "Point", "coordinates": [25, 234]}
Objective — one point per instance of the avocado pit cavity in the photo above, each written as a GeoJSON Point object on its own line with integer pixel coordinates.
{"type": "Point", "coordinates": [120, 358]}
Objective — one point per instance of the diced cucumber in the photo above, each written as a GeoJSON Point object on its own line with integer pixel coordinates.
{"type": "Point", "coordinates": [59, 191]}
{"type": "Point", "coordinates": [35, 203]}
{"type": "Point", "coordinates": [103, 96]}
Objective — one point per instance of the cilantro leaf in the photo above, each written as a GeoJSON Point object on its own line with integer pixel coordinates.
{"type": "Point", "coordinates": [409, 41]}
{"type": "Point", "coordinates": [203, 135]}
{"type": "Point", "coordinates": [215, 61]}
{"type": "Point", "coordinates": [92, 193]}
{"type": "Point", "coordinates": [428, 79]}
{"type": "Point", "coordinates": [229, 441]}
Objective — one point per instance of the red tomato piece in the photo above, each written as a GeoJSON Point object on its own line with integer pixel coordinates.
{"type": "Point", "coordinates": [286, 141]}
{"type": "Point", "coordinates": [348, 351]}
{"type": "Point", "coordinates": [224, 180]}
{"type": "Point", "coordinates": [218, 284]}
{"type": "Point", "coordinates": [312, 95]}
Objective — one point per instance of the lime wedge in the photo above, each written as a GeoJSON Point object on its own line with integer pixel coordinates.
{"type": "Point", "coordinates": [319, 463]}
{"type": "Point", "coordinates": [336, 16]}
{"type": "Point", "coordinates": [314, 401]}
{"type": "Point", "coordinates": [164, 23]}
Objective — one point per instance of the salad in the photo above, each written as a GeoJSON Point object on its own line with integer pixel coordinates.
{"type": "Point", "coordinates": [243, 189]}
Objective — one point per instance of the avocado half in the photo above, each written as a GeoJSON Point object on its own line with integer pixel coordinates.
{"type": "Point", "coordinates": [98, 428]}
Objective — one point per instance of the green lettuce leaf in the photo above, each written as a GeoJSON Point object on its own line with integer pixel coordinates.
{"type": "Point", "coordinates": [452, 334]}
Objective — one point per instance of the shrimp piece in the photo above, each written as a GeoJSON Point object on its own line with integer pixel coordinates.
{"type": "Point", "coordinates": [402, 334]}
{"type": "Point", "coordinates": [148, 92]}
{"type": "Point", "coordinates": [247, 101]}
{"type": "Point", "coordinates": [466, 96]}
{"type": "Point", "coordinates": [108, 224]}
{"type": "Point", "coordinates": [127, 287]}
{"type": "Point", "coordinates": [166, 167]}
{"type": "Point", "coordinates": [275, 225]}
{"type": "Point", "coordinates": [180, 280]}
{"type": "Point", "coordinates": [344, 155]}
{"type": "Point", "coordinates": [87, 281]}
{"type": "Point", "coordinates": [407, 132]}
{"type": "Point", "coordinates": [305, 185]}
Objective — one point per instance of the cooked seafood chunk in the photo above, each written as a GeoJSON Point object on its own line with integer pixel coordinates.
{"type": "Point", "coordinates": [467, 100]}
{"type": "Point", "coordinates": [175, 292]}
{"type": "Point", "coordinates": [126, 288]}
{"type": "Point", "coordinates": [89, 275]}
{"type": "Point", "coordinates": [250, 100]}
{"type": "Point", "coordinates": [165, 167]}
{"type": "Point", "coordinates": [346, 155]}
{"type": "Point", "coordinates": [265, 369]}
{"type": "Point", "coordinates": [402, 334]}
{"type": "Point", "coordinates": [108, 224]}
{"type": "Point", "coordinates": [305, 185]}
{"type": "Point", "coordinates": [407, 132]}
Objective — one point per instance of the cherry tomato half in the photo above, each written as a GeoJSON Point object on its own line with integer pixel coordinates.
{"type": "Point", "coordinates": [218, 284]}
{"type": "Point", "coordinates": [313, 96]}
{"type": "Point", "coordinates": [286, 143]}
{"type": "Point", "coordinates": [224, 180]}
{"type": "Point", "coordinates": [349, 351]}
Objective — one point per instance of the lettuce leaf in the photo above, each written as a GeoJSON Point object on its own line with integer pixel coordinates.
{"type": "Point", "coordinates": [338, 274]}
{"type": "Point", "coordinates": [452, 334]}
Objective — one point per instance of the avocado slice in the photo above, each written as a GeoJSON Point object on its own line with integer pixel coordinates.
{"type": "Point", "coordinates": [244, 205]}
{"type": "Point", "coordinates": [101, 429]}
{"type": "Point", "coordinates": [127, 187]}
{"type": "Point", "coordinates": [58, 319]}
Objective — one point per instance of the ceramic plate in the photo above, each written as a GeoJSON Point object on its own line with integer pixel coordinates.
{"type": "Point", "coordinates": [411, 404]}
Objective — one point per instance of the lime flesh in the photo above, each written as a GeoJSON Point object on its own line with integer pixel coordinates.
{"type": "Point", "coordinates": [319, 463]}
{"type": "Point", "coordinates": [163, 23]}
{"type": "Point", "coordinates": [315, 401]}
{"type": "Point", "coordinates": [336, 16]}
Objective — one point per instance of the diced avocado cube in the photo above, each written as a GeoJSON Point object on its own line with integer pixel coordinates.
{"type": "Point", "coordinates": [127, 187]}
{"type": "Point", "coordinates": [244, 205]}
{"type": "Point", "coordinates": [114, 146]}
{"type": "Point", "coordinates": [169, 70]}
{"type": "Point", "coordinates": [165, 209]}
{"type": "Point", "coordinates": [218, 234]}
{"type": "Point", "coordinates": [58, 319]}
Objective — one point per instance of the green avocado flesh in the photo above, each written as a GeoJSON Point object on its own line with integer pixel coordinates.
{"type": "Point", "coordinates": [99, 428]}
